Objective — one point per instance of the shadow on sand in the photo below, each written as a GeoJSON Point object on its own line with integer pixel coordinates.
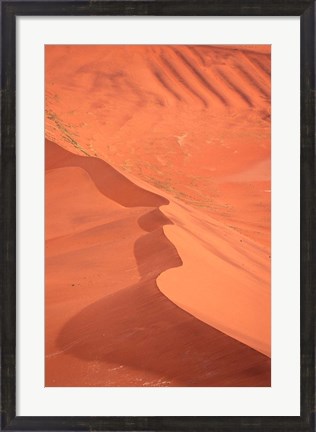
{"type": "Point", "coordinates": [138, 326]}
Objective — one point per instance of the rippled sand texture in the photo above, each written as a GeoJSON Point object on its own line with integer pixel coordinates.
{"type": "Point", "coordinates": [157, 216]}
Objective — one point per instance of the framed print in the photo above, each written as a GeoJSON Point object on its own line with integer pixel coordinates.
{"type": "Point", "coordinates": [157, 191]}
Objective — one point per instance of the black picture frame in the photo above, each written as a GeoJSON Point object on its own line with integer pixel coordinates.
{"type": "Point", "coordinates": [9, 11]}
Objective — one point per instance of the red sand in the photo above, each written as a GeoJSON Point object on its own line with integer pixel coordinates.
{"type": "Point", "coordinates": [189, 128]}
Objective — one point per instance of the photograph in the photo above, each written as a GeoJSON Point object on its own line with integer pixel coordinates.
{"type": "Point", "coordinates": [157, 215]}
{"type": "Point", "coordinates": [157, 226]}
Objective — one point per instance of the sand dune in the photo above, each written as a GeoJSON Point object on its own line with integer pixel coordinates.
{"type": "Point", "coordinates": [181, 118]}
{"type": "Point", "coordinates": [224, 280]}
{"type": "Point", "coordinates": [158, 215]}
{"type": "Point", "coordinates": [108, 323]}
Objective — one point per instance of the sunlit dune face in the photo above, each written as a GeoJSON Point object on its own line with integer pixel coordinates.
{"type": "Point", "coordinates": [158, 202]}
{"type": "Point", "coordinates": [103, 305]}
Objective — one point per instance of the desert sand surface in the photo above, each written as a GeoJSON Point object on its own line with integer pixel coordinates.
{"type": "Point", "coordinates": [157, 216]}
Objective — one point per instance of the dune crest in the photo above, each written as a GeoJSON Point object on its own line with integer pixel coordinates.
{"type": "Point", "coordinates": [109, 324]}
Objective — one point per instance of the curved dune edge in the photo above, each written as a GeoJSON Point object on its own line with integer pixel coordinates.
{"type": "Point", "coordinates": [224, 280]}
{"type": "Point", "coordinates": [91, 286]}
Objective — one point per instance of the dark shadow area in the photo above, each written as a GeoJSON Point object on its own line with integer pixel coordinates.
{"type": "Point", "coordinates": [107, 180]}
{"type": "Point", "coordinates": [153, 220]}
{"type": "Point", "coordinates": [155, 254]}
{"type": "Point", "coordinates": [141, 328]}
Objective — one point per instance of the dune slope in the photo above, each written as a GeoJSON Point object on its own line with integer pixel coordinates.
{"type": "Point", "coordinates": [108, 324]}
{"type": "Point", "coordinates": [158, 202]}
{"type": "Point", "coordinates": [224, 279]}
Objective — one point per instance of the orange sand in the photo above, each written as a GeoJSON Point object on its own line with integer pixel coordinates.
{"type": "Point", "coordinates": [178, 198]}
